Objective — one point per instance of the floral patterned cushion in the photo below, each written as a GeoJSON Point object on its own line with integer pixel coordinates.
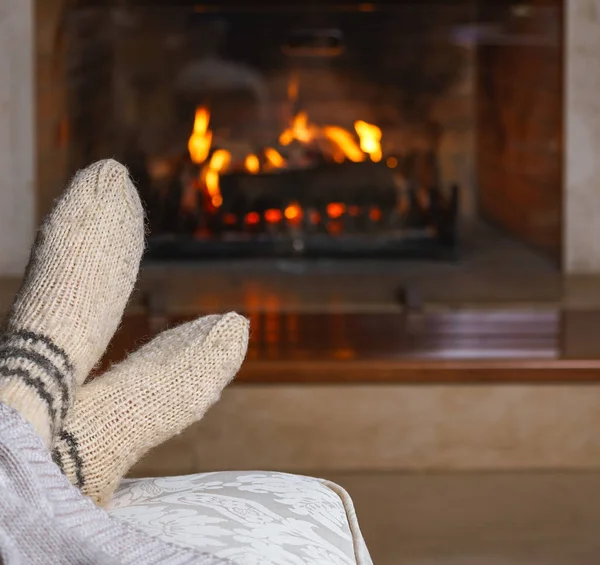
{"type": "Point", "coordinates": [249, 517]}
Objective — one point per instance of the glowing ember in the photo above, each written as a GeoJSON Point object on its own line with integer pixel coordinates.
{"type": "Point", "coordinates": [375, 214]}
{"type": "Point", "coordinates": [201, 138]}
{"type": "Point", "coordinates": [335, 210]}
{"type": "Point", "coordinates": [252, 218]}
{"type": "Point", "coordinates": [230, 219]}
{"type": "Point", "coordinates": [293, 212]}
{"type": "Point", "coordinates": [370, 139]}
{"type": "Point", "coordinates": [345, 142]}
{"type": "Point", "coordinates": [273, 215]}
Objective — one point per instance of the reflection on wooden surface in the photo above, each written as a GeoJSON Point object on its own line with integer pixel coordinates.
{"type": "Point", "coordinates": [458, 346]}
{"type": "Point", "coordinates": [452, 335]}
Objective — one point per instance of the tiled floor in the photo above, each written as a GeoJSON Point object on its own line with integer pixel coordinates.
{"type": "Point", "coordinates": [478, 518]}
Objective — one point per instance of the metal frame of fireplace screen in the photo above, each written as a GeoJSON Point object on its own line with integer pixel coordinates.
{"type": "Point", "coordinates": [306, 130]}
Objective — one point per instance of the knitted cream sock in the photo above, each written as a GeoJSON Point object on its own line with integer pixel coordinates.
{"type": "Point", "coordinates": [154, 394]}
{"type": "Point", "coordinates": [80, 274]}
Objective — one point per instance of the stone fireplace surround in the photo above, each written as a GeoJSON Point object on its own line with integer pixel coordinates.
{"type": "Point", "coordinates": [360, 427]}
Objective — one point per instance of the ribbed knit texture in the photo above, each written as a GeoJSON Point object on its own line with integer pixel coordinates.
{"type": "Point", "coordinates": [81, 272]}
{"type": "Point", "coordinates": [155, 393]}
{"type": "Point", "coordinates": [44, 519]}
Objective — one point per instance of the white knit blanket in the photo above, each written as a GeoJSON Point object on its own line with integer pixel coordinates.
{"type": "Point", "coordinates": [44, 519]}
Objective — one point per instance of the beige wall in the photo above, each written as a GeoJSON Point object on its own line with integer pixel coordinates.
{"type": "Point", "coordinates": [17, 154]}
{"type": "Point", "coordinates": [581, 238]}
{"type": "Point", "coordinates": [350, 428]}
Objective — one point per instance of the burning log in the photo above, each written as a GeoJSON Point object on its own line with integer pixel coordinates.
{"type": "Point", "coordinates": [361, 183]}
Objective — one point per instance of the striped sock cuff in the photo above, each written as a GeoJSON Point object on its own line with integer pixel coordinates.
{"type": "Point", "coordinates": [66, 455]}
{"type": "Point", "coordinates": [34, 360]}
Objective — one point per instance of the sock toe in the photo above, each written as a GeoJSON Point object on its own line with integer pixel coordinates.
{"type": "Point", "coordinates": [154, 394]}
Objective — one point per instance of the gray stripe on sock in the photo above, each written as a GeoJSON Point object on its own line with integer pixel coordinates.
{"type": "Point", "coordinates": [73, 451]}
{"type": "Point", "coordinates": [62, 381]}
{"type": "Point", "coordinates": [30, 336]}
{"type": "Point", "coordinates": [35, 383]}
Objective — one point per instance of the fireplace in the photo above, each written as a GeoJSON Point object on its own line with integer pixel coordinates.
{"type": "Point", "coordinates": [320, 130]}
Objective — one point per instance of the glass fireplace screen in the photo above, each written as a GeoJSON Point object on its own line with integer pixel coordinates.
{"type": "Point", "coordinates": [341, 130]}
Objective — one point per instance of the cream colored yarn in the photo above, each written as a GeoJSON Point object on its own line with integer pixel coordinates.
{"type": "Point", "coordinates": [154, 394]}
{"type": "Point", "coordinates": [81, 272]}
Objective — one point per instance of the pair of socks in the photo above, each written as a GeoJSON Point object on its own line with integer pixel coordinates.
{"type": "Point", "coordinates": [82, 270]}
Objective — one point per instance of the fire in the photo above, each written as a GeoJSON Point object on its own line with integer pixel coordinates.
{"type": "Point", "coordinates": [344, 141]}
{"type": "Point", "coordinates": [219, 162]}
{"type": "Point", "coordinates": [370, 139]}
{"type": "Point", "coordinates": [273, 215]}
{"type": "Point", "coordinates": [252, 164]}
{"type": "Point", "coordinates": [252, 218]}
{"type": "Point", "coordinates": [201, 138]}
{"type": "Point", "coordinates": [274, 158]}
{"type": "Point", "coordinates": [293, 212]}
{"type": "Point", "coordinates": [211, 180]}
{"type": "Point", "coordinates": [335, 210]}
{"type": "Point", "coordinates": [300, 130]}
{"type": "Point", "coordinates": [336, 143]}
{"type": "Point", "coordinates": [375, 214]}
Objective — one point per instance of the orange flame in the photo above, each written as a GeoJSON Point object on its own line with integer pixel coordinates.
{"type": "Point", "coordinates": [274, 158]}
{"type": "Point", "coordinates": [370, 139]}
{"type": "Point", "coordinates": [211, 180]}
{"type": "Point", "coordinates": [201, 139]}
{"type": "Point", "coordinates": [219, 162]}
{"type": "Point", "coordinates": [300, 130]}
{"type": "Point", "coordinates": [341, 143]}
{"type": "Point", "coordinates": [345, 142]}
{"type": "Point", "coordinates": [252, 164]}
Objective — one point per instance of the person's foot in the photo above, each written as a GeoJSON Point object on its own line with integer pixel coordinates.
{"type": "Point", "coordinates": [81, 272]}
{"type": "Point", "coordinates": [154, 394]}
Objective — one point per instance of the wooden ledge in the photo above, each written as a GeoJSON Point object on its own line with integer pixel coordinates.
{"type": "Point", "coordinates": [428, 347]}
{"type": "Point", "coordinates": [421, 372]}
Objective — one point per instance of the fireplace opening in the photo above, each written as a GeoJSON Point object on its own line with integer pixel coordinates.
{"type": "Point", "coordinates": [314, 130]}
